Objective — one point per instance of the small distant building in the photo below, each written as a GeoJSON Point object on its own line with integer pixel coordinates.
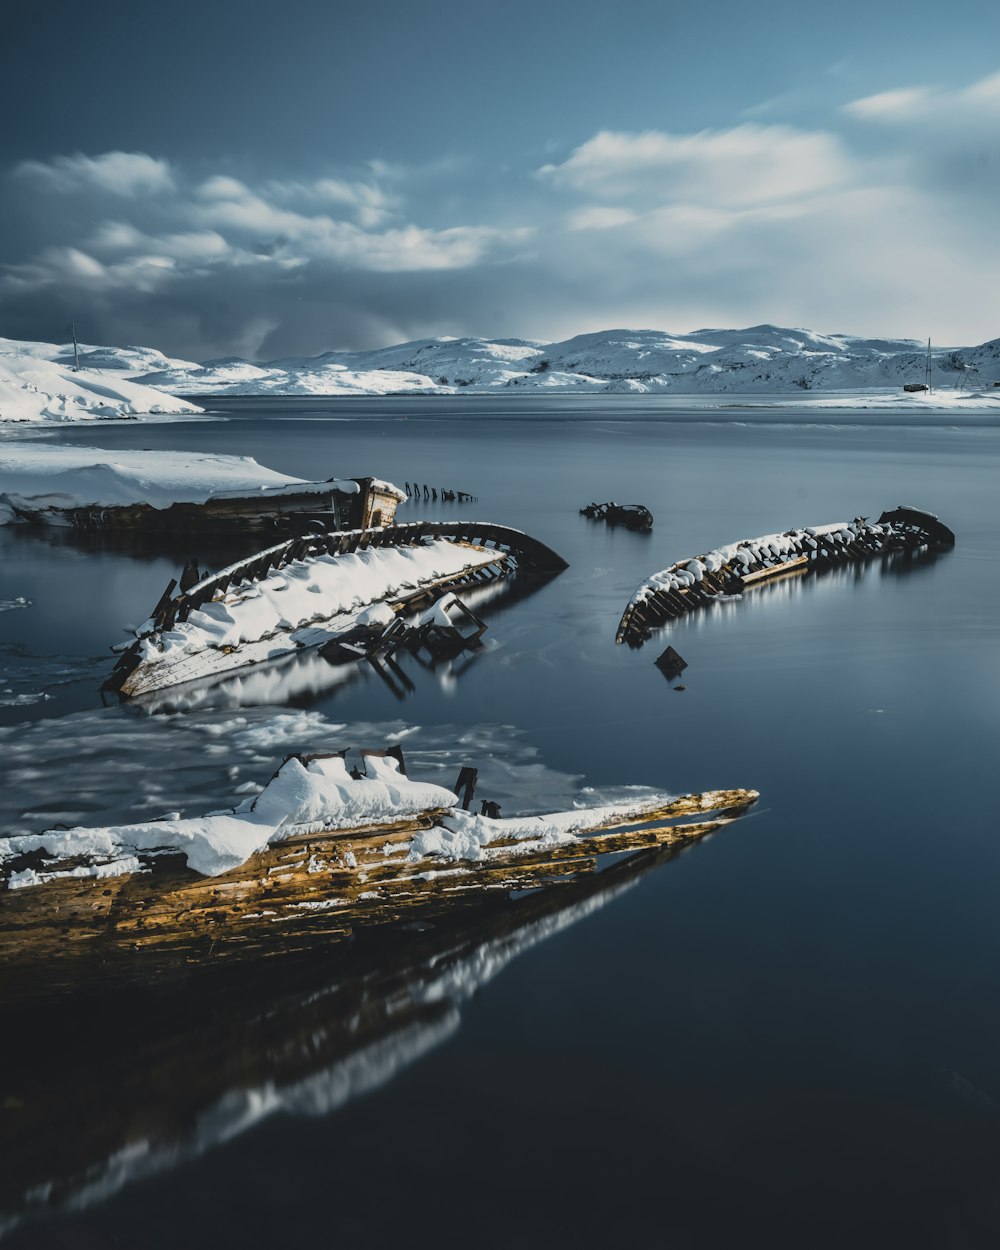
{"type": "Point", "coordinates": [914, 386]}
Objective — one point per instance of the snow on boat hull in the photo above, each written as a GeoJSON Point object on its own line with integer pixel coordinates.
{"type": "Point", "coordinates": [693, 583]}
{"type": "Point", "coordinates": [317, 854]}
{"type": "Point", "coordinates": [310, 591]}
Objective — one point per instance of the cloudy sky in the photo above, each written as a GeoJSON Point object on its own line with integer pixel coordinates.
{"type": "Point", "coordinates": [228, 177]}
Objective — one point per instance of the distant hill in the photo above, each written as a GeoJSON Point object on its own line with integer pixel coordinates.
{"type": "Point", "coordinates": [37, 380]}
{"type": "Point", "coordinates": [38, 383]}
{"type": "Point", "coordinates": [762, 358]}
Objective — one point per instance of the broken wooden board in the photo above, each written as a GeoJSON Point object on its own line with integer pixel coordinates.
{"type": "Point", "coordinates": [693, 583]}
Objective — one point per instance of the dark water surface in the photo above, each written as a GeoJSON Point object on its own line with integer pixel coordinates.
{"type": "Point", "coordinates": [790, 1031]}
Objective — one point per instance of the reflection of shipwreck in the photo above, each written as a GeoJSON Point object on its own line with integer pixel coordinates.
{"type": "Point", "coordinates": [315, 590]}
{"type": "Point", "coordinates": [693, 583]}
{"type": "Point", "coordinates": [322, 851]}
{"type": "Point", "coordinates": [306, 674]}
{"type": "Point", "coordinates": [159, 1078]}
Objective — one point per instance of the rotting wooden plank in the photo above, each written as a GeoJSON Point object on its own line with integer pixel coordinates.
{"type": "Point", "coordinates": [275, 900]}
{"type": "Point", "coordinates": [800, 564]}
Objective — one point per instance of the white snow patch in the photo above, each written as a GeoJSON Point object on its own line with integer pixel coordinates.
{"type": "Point", "coordinates": [299, 799]}
{"type": "Point", "coordinates": [38, 477]}
{"type": "Point", "coordinates": [36, 385]}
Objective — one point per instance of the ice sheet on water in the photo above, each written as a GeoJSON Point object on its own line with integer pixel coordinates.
{"type": "Point", "coordinates": [119, 764]}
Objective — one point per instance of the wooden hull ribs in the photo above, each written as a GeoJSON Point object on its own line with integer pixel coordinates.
{"type": "Point", "coordinates": [313, 590]}
{"type": "Point", "coordinates": [694, 583]}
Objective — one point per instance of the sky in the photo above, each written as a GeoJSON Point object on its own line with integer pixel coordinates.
{"type": "Point", "coordinates": [264, 180]}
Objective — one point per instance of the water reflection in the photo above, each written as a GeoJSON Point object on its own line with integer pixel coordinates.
{"type": "Point", "coordinates": [158, 1078]}
{"type": "Point", "coordinates": [783, 590]}
{"type": "Point", "coordinates": [211, 549]}
{"type": "Point", "coordinates": [305, 677]}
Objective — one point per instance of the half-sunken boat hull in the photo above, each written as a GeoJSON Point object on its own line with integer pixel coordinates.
{"type": "Point", "coordinates": [471, 553]}
{"type": "Point", "coordinates": [694, 583]}
{"type": "Point", "coordinates": [336, 504]}
{"type": "Point", "coordinates": [307, 890]}
{"type": "Point", "coordinates": [158, 1074]}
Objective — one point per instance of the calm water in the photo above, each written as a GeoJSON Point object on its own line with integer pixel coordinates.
{"type": "Point", "coordinates": [791, 1028]}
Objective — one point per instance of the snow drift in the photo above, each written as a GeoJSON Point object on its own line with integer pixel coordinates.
{"type": "Point", "coordinates": [38, 383]}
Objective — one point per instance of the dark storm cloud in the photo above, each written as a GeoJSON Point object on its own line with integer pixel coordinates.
{"type": "Point", "coordinates": [731, 226]}
{"type": "Point", "coordinates": [131, 247]}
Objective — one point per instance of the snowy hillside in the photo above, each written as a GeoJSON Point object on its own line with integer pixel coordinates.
{"type": "Point", "coordinates": [761, 359]}
{"type": "Point", "coordinates": [37, 379]}
{"type": "Point", "coordinates": [38, 383]}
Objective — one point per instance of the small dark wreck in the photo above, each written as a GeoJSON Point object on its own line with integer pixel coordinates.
{"type": "Point", "coordinates": [730, 570]}
{"type": "Point", "coordinates": [332, 590]}
{"type": "Point", "coordinates": [634, 516]}
{"type": "Point", "coordinates": [323, 850]}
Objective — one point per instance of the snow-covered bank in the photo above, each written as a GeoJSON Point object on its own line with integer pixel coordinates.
{"type": "Point", "coordinates": [788, 366]}
{"type": "Point", "coordinates": [38, 383]}
{"type": "Point", "coordinates": [35, 477]}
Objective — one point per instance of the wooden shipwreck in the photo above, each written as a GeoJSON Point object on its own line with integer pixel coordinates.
{"type": "Point", "coordinates": [334, 504]}
{"type": "Point", "coordinates": [694, 583]}
{"type": "Point", "coordinates": [634, 516]}
{"type": "Point", "coordinates": [159, 1072]}
{"type": "Point", "coordinates": [322, 851]}
{"type": "Point", "coordinates": [314, 590]}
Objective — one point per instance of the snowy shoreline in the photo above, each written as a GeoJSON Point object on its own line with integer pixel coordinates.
{"type": "Point", "coordinates": [766, 366]}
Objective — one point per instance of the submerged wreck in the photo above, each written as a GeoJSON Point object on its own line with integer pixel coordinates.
{"type": "Point", "coordinates": [729, 570]}
{"type": "Point", "coordinates": [634, 516]}
{"type": "Point", "coordinates": [314, 590]}
{"type": "Point", "coordinates": [159, 1075]}
{"type": "Point", "coordinates": [337, 503]}
{"type": "Point", "coordinates": [322, 850]}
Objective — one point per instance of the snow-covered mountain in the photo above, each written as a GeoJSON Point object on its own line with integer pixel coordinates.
{"type": "Point", "coordinates": [38, 383]}
{"type": "Point", "coordinates": [759, 359]}
{"type": "Point", "coordinates": [37, 380]}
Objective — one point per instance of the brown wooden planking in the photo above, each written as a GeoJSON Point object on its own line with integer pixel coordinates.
{"type": "Point", "coordinates": [176, 914]}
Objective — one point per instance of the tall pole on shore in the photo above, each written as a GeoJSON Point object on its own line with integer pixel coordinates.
{"type": "Point", "coordinates": [927, 368]}
{"type": "Point", "coordinates": [76, 351]}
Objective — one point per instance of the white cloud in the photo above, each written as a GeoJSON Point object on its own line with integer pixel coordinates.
{"type": "Point", "coordinates": [599, 217]}
{"type": "Point", "coordinates": [903, 104]}
{"type": "Point", "coordinates": [974, 105]}
{"type": "Point", "coordinates": [370, 204]}
{"type": "Point", "coordinates": [745, 165]}
{"type": "Point", "coordinates": [731, 226]}
{"type": "Point", "coordinates": [118, 173]}
{"type": "Point", "coordinates": [220, 222]}
{"type": "Point", "coordinates": [222, 187]}
{"type": "Point", "coordinates": [113, 237]}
